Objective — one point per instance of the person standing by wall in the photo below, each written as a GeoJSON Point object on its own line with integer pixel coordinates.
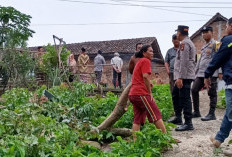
{"type": "Point", "coordinates": [133, 59]}
{"type": "Point", "coordinates": [223, 59]}
{"type": "Point", "coordinates": [132, 63]}
{"type": "Point", "coordinates": [72, 67]}
{"type": "Point", "coordinates": [170, 60]}
{"type": "Point", "coordinates": [83, 61]}
{"type": "Point", "coordinates": [183, 75]}
{"type": "Point", "coordinates": [99, 60]}
{"type": "Point", "coordinates": [117, 63]}
{"type": "Point", "coordinates": [140, 93]}
{"type": "Point", "coordinates": [207, 53]}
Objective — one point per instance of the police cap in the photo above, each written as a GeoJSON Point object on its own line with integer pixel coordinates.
{"type": "Point", "coordinates": [207, 28]}
{"type": "Point", "coordinates": [183, 29]}
{"type": "Point", "coordinates": [174, 37]}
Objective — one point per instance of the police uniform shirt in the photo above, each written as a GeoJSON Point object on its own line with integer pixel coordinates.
{"type": "Point", "coordinates": [184, 66]}
{"type": "Point", "coordinates": [207, 53]}
{"type": "Point", "coordinates": [170, 58]}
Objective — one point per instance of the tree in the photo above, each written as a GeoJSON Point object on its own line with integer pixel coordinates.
{"type": "Point", "coordinates": [14, 28]}
{"type": "Point", "coordinates": [14, 33]}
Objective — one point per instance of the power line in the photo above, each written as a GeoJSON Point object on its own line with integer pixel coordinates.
{"type": "Point", "coordinates": [153, 6]}
{"type": "Point", "coordinates": [184, 2]}
{"type": "Point", "coordinates": [136, 5]}
{"type": "Point", "coordinates": [113, 23]}
{"type": "Point", "coordinates": [184, 12]}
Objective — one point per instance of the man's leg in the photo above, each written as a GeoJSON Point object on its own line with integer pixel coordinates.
{"type": "Point", "coordinates": [177, 108]}
{"type": "Point", "coordinates": [213, 100]}
{"type": "Point", "coordinates": [185, 101]}
{"type": "Point", "coordinates": [114, 78]}
{"type": "Point", "coordinates": [100, 76]}
{"type": "Point", "coordinates": [119, 80]}
{"type": "Point", "coordinates": [198, 84]}
{"type": "Point", "coordinates": [171, 82]}
{"type": "Point", "coordinates": [226, 124]}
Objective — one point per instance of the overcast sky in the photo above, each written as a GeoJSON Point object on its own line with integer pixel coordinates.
{"type": "Point", "coordinates": [79, 21]}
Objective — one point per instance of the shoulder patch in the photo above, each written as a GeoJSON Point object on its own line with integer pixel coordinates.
{"type": "Point", "coordinates": [230, 44]}
{"type": "Point", "coordinates": [211, 45]}
{"type": "Point", "coordinates": [182, 46]}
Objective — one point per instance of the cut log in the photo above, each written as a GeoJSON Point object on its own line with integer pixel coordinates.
{"type": "Point", "coordinates": [118, 111]}
{"type": "Point", "coordinates": [121, 131]}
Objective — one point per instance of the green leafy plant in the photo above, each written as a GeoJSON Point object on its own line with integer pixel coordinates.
{"type": "Point", "coordinates": [150, 142]}
{"type": "Point", "coordinates": [163, 100]}
{"type": "Point", "coordinates": [221, 99]}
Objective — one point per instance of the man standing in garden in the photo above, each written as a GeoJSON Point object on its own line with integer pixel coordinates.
{"type": "Point", "coordinates": [207, 53]}
{"type": "Point", "coordinates": [170, 60]}
{"type": "Point", "coordinates": [223, 59]}
{"type": "Point", "coordinates": [117, 64]}
{"type": "Point", "coordinates": [183, 76]}
{"type": "Point", "coordinates": [99, 60]}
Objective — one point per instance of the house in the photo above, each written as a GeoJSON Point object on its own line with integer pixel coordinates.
{"type": "Point", "coordinates": [218, 22]}
{"type": "Point", "coordinates": [126, 48]}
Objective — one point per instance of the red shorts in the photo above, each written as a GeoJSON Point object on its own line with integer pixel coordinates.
{"type": "Point", "coordinates": [144, 106]}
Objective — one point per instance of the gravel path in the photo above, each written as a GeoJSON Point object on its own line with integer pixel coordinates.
{"type": "Point", "coordinates": [196, 143]}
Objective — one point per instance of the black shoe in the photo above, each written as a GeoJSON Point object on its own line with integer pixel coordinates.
{"type": "Point", "coordinates": [176, 120]}
{"type": "Point", "coordinates": [209, 117]}
{"type": "Point", "coordinates": [185, 127]}
{"type": "Point", "coordinates": [196, 114]}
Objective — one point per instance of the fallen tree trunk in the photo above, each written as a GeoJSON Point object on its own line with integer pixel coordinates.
{"type": "Point", "coordinates": [121, 131]}
{"type": "Point", "coordinates": [118, 111]}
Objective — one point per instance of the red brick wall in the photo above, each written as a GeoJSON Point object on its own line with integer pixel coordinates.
{"type": "Point", "coordinates": [107, 76]}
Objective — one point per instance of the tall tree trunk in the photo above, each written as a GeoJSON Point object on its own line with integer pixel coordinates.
{"type": "Point", "coordinates": [118, 111]}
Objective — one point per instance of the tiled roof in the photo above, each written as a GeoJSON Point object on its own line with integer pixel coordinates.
{"type": "Point", "coordinates": [217, 17]}
{"type": "Point", "coordinates": [111, 46]}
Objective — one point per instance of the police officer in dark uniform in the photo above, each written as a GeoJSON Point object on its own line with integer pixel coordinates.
{"type": "Point", "coordinates": [207, 53]}
{"type": "Point", "coordinates": [223, 59]}
{"type": "Point", "coordinates": [184, 74]}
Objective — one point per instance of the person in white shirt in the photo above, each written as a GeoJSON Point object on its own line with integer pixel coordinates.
{"type": "Point", "coordinates": [117, 64]}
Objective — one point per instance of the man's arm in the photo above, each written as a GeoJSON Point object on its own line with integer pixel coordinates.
{"type": "Point", "coordinates": [219, 59]}
{"type": "Point", "coordinates": [184, 60]}
{"type": "Point", "coordinates": [132, 64]}
{"type": "Point", "coordinates": [167, 67]}
{"type": "Point", "coordinates": [167, 62]}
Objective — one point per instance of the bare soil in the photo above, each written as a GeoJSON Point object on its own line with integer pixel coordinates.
{"type": "Point", "coordinates": [196, 143]}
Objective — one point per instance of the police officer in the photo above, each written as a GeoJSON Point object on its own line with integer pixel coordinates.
{"type": "Point", "coordinates": [223, 59]}
{"type": "Point", "coordinates": [207, 52]}
{"type": "Point", "coordinates": [183, 75]}
{"type": "Point", "coordinates": [170, 60]}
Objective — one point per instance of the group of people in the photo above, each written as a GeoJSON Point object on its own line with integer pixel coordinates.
{"type": "Point", "coordinates": [180, 63]}
{"type": "Point", "coordinates": [99, 62]}
{"type": "Point", "coordinates": [116, 63]}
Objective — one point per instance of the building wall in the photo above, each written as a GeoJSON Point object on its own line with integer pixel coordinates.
{"type": "Point", "coordinates": [107, 76]}
{"type": "Point", "coordinates": [218, 31]}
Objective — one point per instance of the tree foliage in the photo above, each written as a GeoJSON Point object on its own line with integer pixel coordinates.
{"type": "Point", "coordinates": [14, 27]}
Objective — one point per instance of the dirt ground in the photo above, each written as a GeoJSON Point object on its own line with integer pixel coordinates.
{"type": "Point", "coordinates": [196, 143]}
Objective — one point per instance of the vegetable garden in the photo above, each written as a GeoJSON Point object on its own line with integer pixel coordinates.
{"type": "Point", "coordinates": [34, 126]}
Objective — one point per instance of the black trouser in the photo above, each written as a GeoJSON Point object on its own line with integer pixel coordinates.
{"type": "Point", "coordinates": [115, 75]}
{"type": "Point", "coordinates": [171, 81]}
{"type": "Point", "coordinates": [182, 100]}
{"type": "Point", "coordinates": [198, 84]}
